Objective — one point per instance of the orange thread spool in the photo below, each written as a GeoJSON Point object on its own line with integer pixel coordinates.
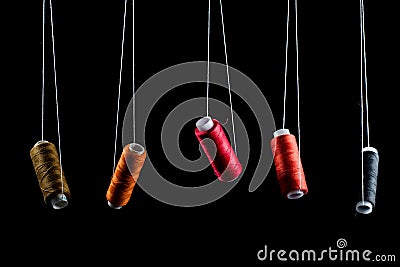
{"type": "Point", "coordinates": [125, 176]}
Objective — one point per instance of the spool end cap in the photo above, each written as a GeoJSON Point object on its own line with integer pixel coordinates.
{"type": "Point", "coordinates": [281, 132]}
{"type": "Point", "coordinates": [204, 124]}
{"type": "Point", "coordinates": [59, 201]}
{"type": "Point", "coordinates": [295, 194]}
{"type": "Point", "coordinates": [113, 206]}
{"type": "Point", "coordinates": [364, 207]}
{"type": "Point", "coordinates": [136, 148]}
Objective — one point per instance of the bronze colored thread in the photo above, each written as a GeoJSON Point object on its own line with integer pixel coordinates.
{"type": "Point", "coordinates": [126, 174]}
{"type": "Point", "coordinates": [46, 162]}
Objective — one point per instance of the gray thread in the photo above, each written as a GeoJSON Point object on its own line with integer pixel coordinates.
{"type": "Point", "coordinates": [371, 175]}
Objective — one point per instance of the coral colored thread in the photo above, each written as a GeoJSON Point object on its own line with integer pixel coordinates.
{"type": "Point", "coordinates": [289, 169]}
{"type": "Point", "coordinates": [125, 177]}
{"type": "Point", "coordinates": [226, 165]}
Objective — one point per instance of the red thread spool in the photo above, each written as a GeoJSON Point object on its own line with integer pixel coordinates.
{"type": "Point", "coordinates": [289, 169]}
{"type": "Point", "coordinates": [226, 165]}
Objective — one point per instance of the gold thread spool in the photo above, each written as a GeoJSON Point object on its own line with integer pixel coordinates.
{"type": "Point", "coordinates": [125, 175]}
{"type": "Point", "coordinates": [51, 178]}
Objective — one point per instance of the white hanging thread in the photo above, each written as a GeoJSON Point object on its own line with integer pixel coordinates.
{"type": "Point", "coordinates": [133, 74]}
{"type": "Point", "coordinates": [43, 63]}
{"type": "Point", "coordinates": [286, 63]}
{"type": "Point", "coordinates": [208, 53]}
{"type": "Point", "coordinates": [56, 89]}
{"type": "Point", "coordinates": [364, 57]}
{"type": "Point", "coordinates": [119, 85]}
{"type": "Point", "coordinates": [362, 98]}
{"type": "Point", "coordinates": [227, 69]}
{"type": "Point", "coordinates": [298, 90]}
{"type": "Point", "coordinates": [228, 78]}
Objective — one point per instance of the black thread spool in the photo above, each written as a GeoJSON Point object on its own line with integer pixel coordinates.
{"type": "Point", "coordinates": [370, 180]}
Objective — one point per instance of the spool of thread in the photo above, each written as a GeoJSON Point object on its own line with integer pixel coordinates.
{"type": "Point", "coordinates": [226, 165]}
{"type": "Point", "coordinates": [125, 176]}
{"type": "Point", "coordinates": [289, 169]}
{"type": "Point", "coordinates": [51, 178]}
{"type": "Point", "coordinates": [370, 180]}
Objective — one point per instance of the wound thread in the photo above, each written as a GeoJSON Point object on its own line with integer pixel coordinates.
{"type": "Point", "coordinates": [226, 164]}
{"type": "Point", "coordinates": [289, 169]}
{"type": "Point", "coordinates": [370, 170]}
{"type": "Point", "coordinates": [51, 178]}
{"type": "Point", "coordinates": [125, 175]}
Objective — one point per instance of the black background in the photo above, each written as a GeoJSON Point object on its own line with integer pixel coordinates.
{"type": "Point", "coordinates": [88, 48]}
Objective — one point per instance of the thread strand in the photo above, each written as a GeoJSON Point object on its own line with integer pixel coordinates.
{"type": "Point", "coordinates": [43, 64]}
{"type": "Point", "coordinates": [119, 86]}
{"type": "Point", "coordinates": [365, 71]}
{"type": "Point", "coordinates": [56, 89]}
{"type": "Point", "coordinates": [208, 56]}
{"type": "Point", "coordinates": [228, 78]}
{"type": "Point", "coordinates": [362, 102]}
{"type": "Point", "coordinates": [286, 64]}
{"type": "Point", "coordinates": [298, 94]}
{"type": "Point", "coordinates": [133, 75]}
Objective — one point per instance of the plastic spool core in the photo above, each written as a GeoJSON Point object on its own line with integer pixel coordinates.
{"type": "Point", "coordinates": [40, 142]}
{"type": "Point", "coordinates": [205, 124]}
{"type": "Point", "coordinates": [295, 194]}
{"type": "Point", "coordinates": [113, 206]}
{"type": "Point", "coordinates": [136, 148]}
{"type": "Point", "coordinates": [59, 201]}
{"type": "Point", "coordinates": [370, 148]}
{"type": "Point", "coordinates": [364, 207]}
{"type": "Point", "coordinates": [281, 132]}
